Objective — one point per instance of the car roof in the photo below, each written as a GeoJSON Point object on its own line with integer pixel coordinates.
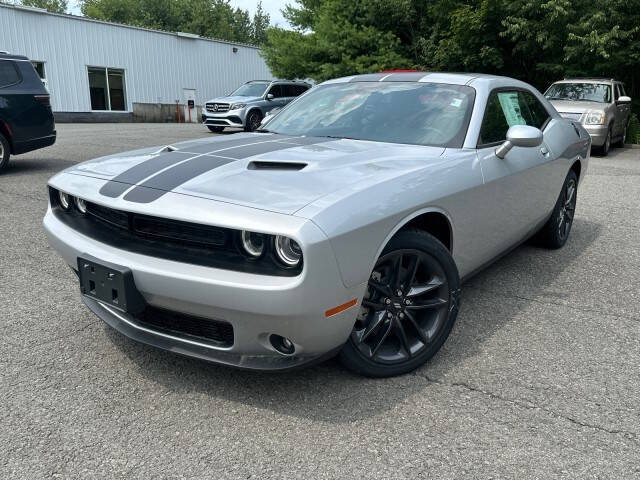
{"type": "Point", "coordinates": [588, 80]}
{"type": "Point", "coordinates": [296, 82]}
{"type": "Point", "coordinates": [8, 56]}
{"type": "Point", "coordinates": [490, 81]}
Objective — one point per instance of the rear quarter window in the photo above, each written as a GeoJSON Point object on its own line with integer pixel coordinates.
{"type": "Point", "coordinates": [8, 73]}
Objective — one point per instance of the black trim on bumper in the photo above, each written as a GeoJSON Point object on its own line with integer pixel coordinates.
{"type": "Point", "coordinates": [268, 362]}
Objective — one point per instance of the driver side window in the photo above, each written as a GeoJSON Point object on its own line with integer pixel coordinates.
{"type": "Point", "coordinates": [506, 109]}
{"type": "Point", "coordinates": [276, 91]}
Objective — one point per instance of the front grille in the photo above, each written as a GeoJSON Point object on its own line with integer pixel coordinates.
{"type": "Point", "coordinates": [169, 239]}
{"type": "Point", "coordinates": [161, 228]}
{"type": "Point", "coordinates": [181, 325]}
{"type": "Point", "coordinates": [571, 116]}
{"type": "Point", "coordinates": [217, 107]}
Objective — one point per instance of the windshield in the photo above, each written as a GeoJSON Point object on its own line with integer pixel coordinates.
{"type": "Point", "coordinates": [396, 112]}
{"type": "Point", "coordinates": [252, 89]}
{"type": "Point", "coordinates": [580, 92]}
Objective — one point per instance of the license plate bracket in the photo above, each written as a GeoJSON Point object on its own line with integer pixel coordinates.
{"type": "Point", "coordinates": [109, 284]}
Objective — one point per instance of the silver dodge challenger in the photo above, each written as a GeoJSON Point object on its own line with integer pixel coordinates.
{"type": "Point", "coordinates": [345, 226]}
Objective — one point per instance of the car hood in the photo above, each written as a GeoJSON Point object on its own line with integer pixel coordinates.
{"type": "Point", "coordinates": [569, 106]}
{"type": "Point", "coordinates": [234, 99]}
{"type": "Point", "coordinates": [265, 171]}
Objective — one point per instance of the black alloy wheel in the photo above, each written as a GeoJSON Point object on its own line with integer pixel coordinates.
{"type": "Point", "coordinates": [555, 233]}
{"type": "Point", "coordinates": [567, 208]}
{"type": "Point", "coordinates": [408, 309]}
{"type": "Point", "coordinates": [253, 121]}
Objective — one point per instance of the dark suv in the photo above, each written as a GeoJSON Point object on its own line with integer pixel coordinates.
{"type": "Point", "coordinates": [26, 120]}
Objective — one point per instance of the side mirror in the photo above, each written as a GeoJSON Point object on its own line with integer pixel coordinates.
{"type": "Point", "coordinates": [624, 99]}
{"type": "Point", "coordinates": [520, 136]}
{"type": "Point", "coordinates": [270, 96]}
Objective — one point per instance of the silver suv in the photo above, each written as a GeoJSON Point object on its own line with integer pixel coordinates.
{"type": "Point", "coordinates": [247, 106]}
{"type": "Point", "coordinates": [600, 105]}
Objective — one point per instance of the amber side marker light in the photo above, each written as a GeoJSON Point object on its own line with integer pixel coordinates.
{"type": "Point", "coordinates": [340, 308]}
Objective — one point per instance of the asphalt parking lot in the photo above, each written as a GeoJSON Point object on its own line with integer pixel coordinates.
{"type": "Point", "coordinates": [539, 379]}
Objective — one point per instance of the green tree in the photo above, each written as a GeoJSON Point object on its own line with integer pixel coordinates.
{"type": "Point", "coordinates": [345, 39]}
{"type": "Point", "coordinates": [208, 18]}
{"type": "Point", "coordinates": [55, 6]}
{"type": "Point", "coordinates": [259, 26]}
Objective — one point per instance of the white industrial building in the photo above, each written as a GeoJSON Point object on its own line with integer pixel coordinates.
{"type": "Point", "coordinates": [101, 70]}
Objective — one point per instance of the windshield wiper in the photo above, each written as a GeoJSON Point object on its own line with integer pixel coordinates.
{"type": "Point", "coordinates": [337, 137]}
{"type": "Point", "coordinates": [263, 130]}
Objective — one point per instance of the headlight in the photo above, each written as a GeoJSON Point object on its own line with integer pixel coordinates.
{"type": "Point", "coordinates": [237, 106]}
{"type": "Point", "coordinates": [81, 205]}
{"type": "Point", "coordinates": [595, 118]}
{"type": "Point", "coordinates": [253, 243]}
{"type": "Point", "coordinates": [288, 251]}
{"type": "Point", "coordinates": [65, 202]}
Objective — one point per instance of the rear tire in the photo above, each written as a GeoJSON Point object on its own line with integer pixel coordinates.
{"type": "Point", "coordinates": [5, 152]}
{"type": "Point", "coordinates": [555, 232]}
{"type": "Point", "coordinates": [409, 308]}
{"type": "Point", "coordinates": [215, 129]}
{"type": "Point", "coordinates": [623, 139]}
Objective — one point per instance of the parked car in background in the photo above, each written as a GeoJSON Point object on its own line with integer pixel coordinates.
{"type": "Point", "coordinates": [248, 105]}
{"type": "Point", "coordinates": [26, 120]}
{"type": "Point", "coordinates": [344, 227]}
{"type": "Point", "coordinates": [600, 105]}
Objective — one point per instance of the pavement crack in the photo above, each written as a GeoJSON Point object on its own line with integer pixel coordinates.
{"type": "Point", "coordinates": [531, 406]}
{"type": "Point", "coordinates": [556, 304]}
{"type": "Point", "coordinates": [67, 335]}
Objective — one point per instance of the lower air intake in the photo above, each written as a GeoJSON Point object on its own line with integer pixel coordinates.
{"type": "Point", "coordinates": [189, 327]}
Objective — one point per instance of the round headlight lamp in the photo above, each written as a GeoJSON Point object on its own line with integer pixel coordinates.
{"type": "Point", "coordinates": [64, 200]}
{"type": "Point", "coordinates": [81, 205]}
{"type": "Point", "coordinates": [253, 243]}
{"type": "Point", "coordinates": [288, 251]}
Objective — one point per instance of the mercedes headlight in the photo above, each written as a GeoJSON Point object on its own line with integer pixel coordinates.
{"type": "Point", "coordinates": [595, 118]}
{"type": "Point", "coordinates": [238, 106]}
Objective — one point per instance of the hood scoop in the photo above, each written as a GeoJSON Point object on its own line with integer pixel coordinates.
{"type": "Point", "coordinates": [279, 166]}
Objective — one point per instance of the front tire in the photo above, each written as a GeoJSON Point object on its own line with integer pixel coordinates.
{"type": "Point", "coordinates": [606, 147]}
{"type": "Point", "coordinates": [215, 129]}
{"type": "Point", "coordinates": [5, 152]}
{"type": "Point", "coordinates": [555, 232]}
{"type": "Point", "coordinates": [408, 310]}
{"type": "Point", "coordinates": [253, 121]}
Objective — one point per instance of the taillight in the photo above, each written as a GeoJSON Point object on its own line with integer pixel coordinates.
{"type": "Point", "coordinates": [43, 99]}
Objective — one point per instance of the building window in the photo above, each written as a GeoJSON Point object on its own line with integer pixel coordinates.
{"type": "Point", "coordinates": [106, 89]}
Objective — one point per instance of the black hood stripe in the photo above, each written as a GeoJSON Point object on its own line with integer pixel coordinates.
{"type": "Point", "coordinates": [162, 183]}
{"type": "Point", "coordinates": [122, 182]}
{"type": "Point", "coordinates": [157, 186]}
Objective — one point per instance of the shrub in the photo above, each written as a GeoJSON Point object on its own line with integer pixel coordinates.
{"type": "Point", "coordinates": [633, 130]}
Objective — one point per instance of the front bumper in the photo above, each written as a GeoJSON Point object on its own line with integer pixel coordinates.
{"type": "Point", "coordinates": [255, 305]}
{"type": "Point", "coordinates": [598, 134]}
{"type": "Point", "coordinates": [232, 118]}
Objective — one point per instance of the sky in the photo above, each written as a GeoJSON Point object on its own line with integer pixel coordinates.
{"type": "Point", "coordinates": [272, 7]}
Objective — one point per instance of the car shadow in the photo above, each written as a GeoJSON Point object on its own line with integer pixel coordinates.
{"type": "Point", "coordinates": [328, 392]}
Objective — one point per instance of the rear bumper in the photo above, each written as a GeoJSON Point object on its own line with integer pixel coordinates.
{"type": "Point", "coordinates": [34, 144]}
{"type": "Point", "coordinates": [256, 306]}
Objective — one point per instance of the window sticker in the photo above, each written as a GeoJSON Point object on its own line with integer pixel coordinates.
{"type": "Point", "coordinates": [511, 108]}
{"type": "Point", "coordinates": [456, 102]}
